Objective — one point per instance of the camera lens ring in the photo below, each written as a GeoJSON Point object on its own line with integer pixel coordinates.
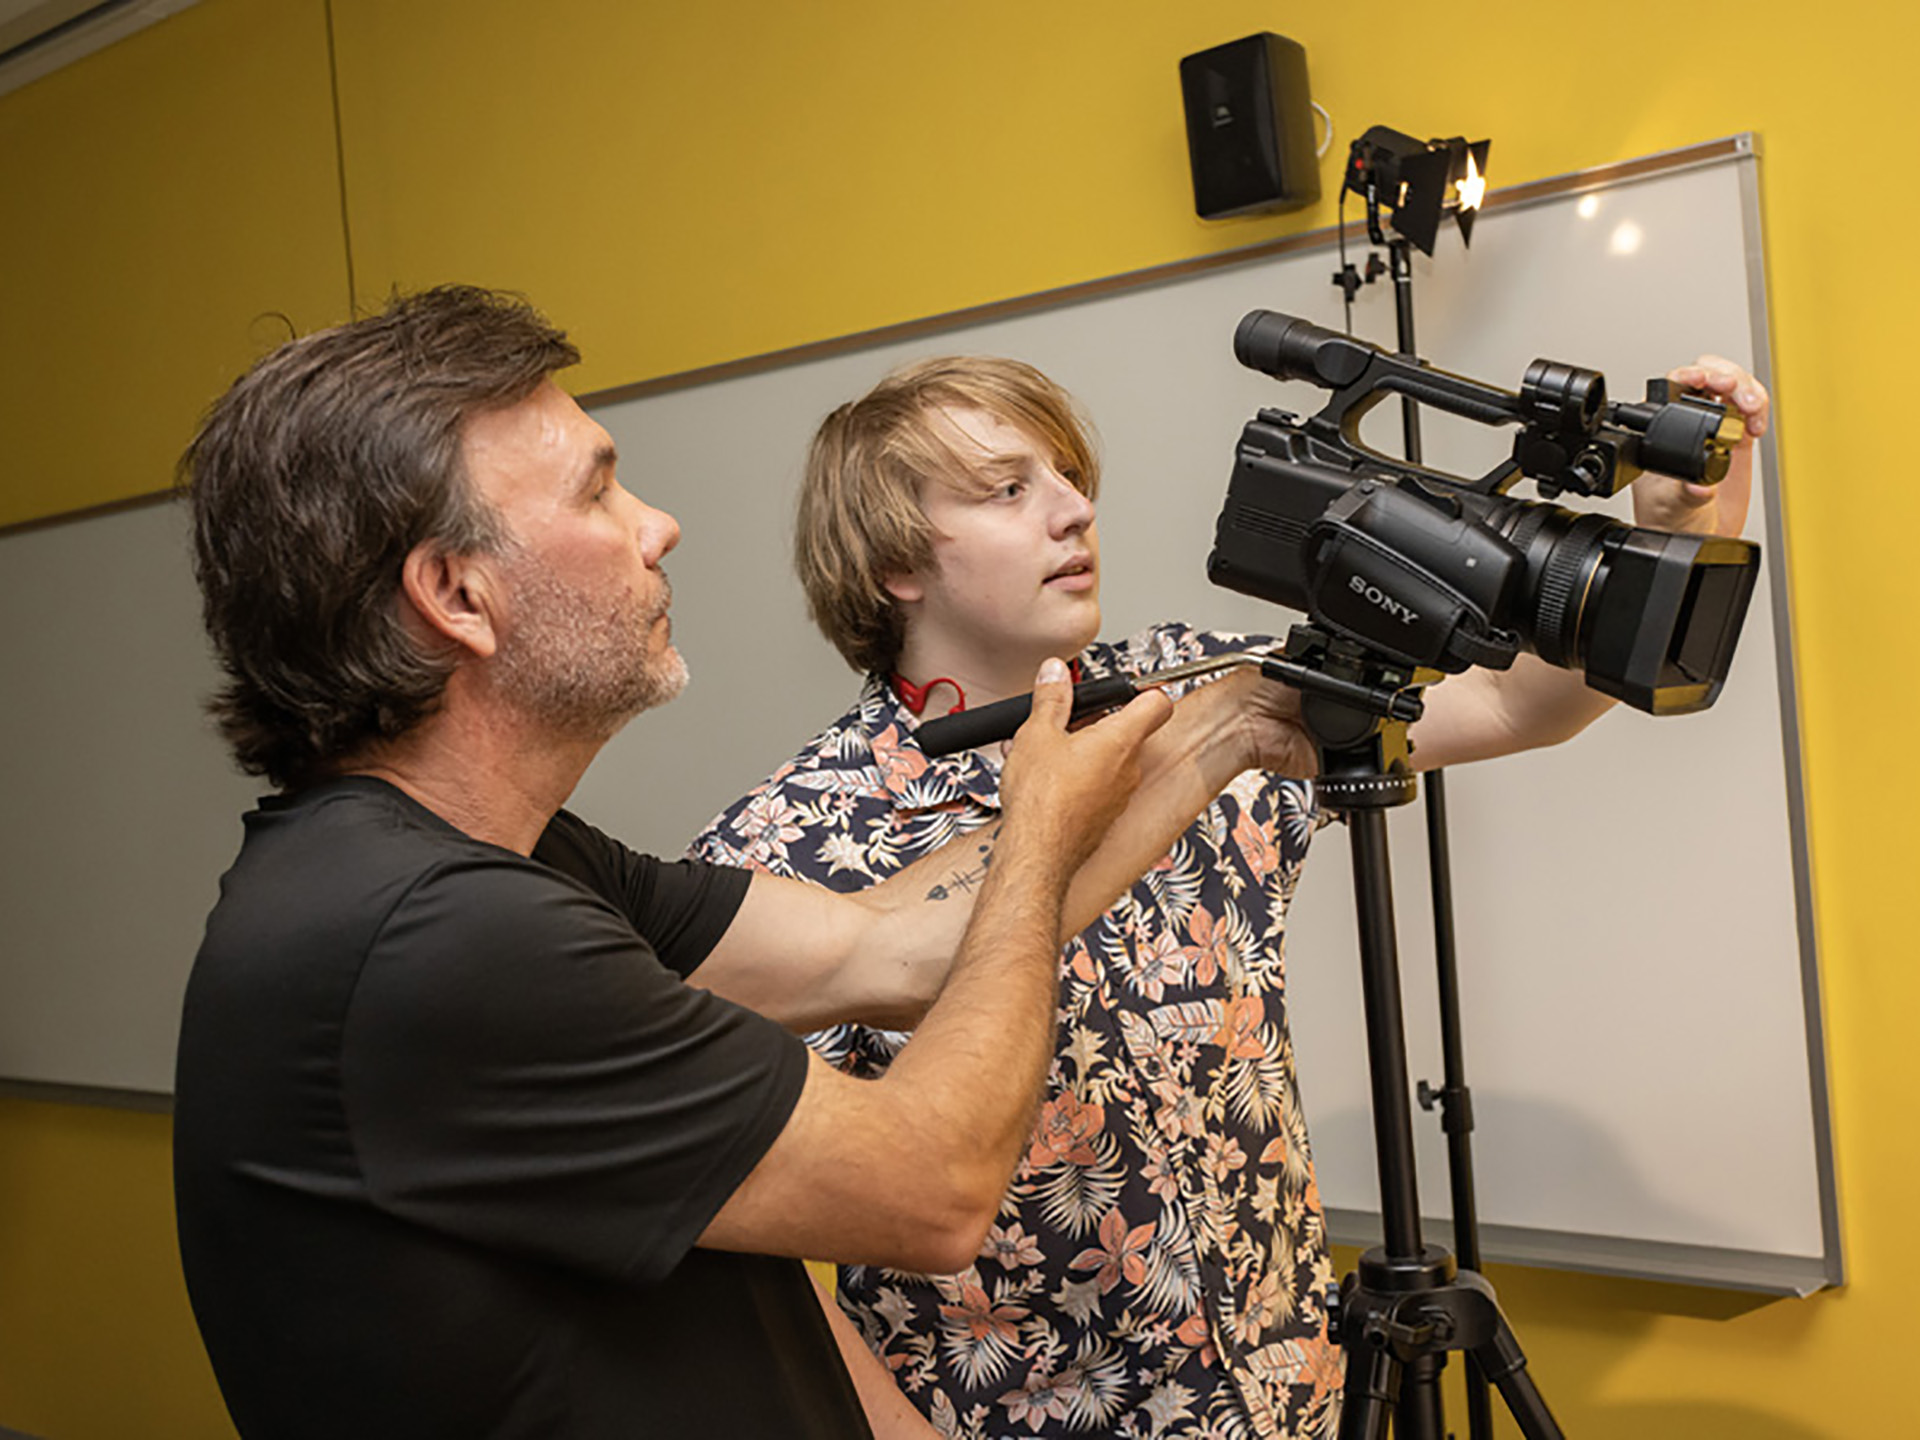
{"type": "Point", "coordinates": [1564, 583]}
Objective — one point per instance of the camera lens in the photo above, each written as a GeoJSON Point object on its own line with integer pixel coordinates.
{"type": "Point", "coordinates": [1562, 553]}
{"type": "Point", "coordinates": [1649, 617]}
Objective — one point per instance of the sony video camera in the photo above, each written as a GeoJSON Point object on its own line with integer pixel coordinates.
{"type": "Point", "coordinates": [1427, 569]}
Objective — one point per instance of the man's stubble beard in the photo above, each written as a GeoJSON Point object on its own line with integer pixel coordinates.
{"type": "Point", "coordinates": [580, 661]}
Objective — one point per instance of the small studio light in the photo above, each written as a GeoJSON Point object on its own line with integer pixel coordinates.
{"type": "Point", "coordinates": [1417, 183]}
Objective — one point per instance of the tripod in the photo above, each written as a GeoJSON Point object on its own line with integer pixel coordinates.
{"type": "Point", "coordinates": [1407, 1305]}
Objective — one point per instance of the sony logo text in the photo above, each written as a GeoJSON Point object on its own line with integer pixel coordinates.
{"type": "Point", "coordinates": [1374, 594]}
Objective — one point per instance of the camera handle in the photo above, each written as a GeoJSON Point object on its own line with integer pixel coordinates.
{"type": "Point", "coordinates": [967, 729]}
{"type": "Point", "coordinates": [1407, 1305]}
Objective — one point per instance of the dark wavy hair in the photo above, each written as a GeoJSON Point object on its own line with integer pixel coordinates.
{"type": "Point", "coordinates": [310, 481]}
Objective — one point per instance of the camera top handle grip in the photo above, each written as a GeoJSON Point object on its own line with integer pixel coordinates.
{"type": "Point", "coordinates": [1572, 436]}
{"type": "Point", "coordinates": [1360, 374]}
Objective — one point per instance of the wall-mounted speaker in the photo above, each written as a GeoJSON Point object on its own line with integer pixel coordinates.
{"type": "Point", "coordinates": [1250, 127]}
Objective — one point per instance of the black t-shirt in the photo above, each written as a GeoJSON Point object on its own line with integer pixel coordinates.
{"type": "Point", "coordinates": [448, 1123]}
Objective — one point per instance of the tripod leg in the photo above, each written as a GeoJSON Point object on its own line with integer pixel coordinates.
{"type": "Point", "coordinates": [1372, 1384]}
{"type": "Point", "coordinates": [1418, 1416]}
{"type": "Point", "coordinates": [1479, 1402]}
{"type": "Point", "coordinates": [1386, 1035]}
{"type": "Point", "coordinates": [1456, 1104]}
{"type": "Point", "coordinates": [1502, 1361]}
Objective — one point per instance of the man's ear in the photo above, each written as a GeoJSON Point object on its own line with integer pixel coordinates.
{"type": "Point", "coordinates": [453, 596]}
{"type": "Point", "coordinates": [906, 588]}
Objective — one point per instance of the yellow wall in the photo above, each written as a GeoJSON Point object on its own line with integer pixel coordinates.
{"type": "Point", "coordinates": [683, 185]}
{"type": "Point", "coordinates": [95, 1336]}
{"type": "Point", "coordinates": [157, 202]}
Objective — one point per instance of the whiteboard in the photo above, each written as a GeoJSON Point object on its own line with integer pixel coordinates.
{"type": "Point", "coordinates": [1641, 1007]}
{"type": "Point", "coordinates": [121, 806]}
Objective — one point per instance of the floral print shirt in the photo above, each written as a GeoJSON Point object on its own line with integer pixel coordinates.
{"type": "Point", "coordinates": [1159, 1266]}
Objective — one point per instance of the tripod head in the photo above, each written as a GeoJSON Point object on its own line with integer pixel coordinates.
{"type": "Point", "coordinates": [1365, 756]}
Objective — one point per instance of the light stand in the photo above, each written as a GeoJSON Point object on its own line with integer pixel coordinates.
{"type": "Point", "coordinates": [1419, 183]}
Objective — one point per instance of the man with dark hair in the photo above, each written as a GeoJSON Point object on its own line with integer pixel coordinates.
{"type": "Point", "coordinates": [477, 1129]}
{"type": "Point", "coordinates": [1159, 1265]}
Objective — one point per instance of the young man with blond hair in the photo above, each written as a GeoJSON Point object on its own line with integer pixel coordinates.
{"type": "Point", "coordinates": [1159, 1264]}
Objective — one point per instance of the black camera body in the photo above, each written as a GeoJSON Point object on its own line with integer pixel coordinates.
{"type": "Point", "coordinates": [1426, 569]}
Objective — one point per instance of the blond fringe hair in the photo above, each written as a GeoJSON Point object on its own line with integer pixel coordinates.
{"type": "Point", "coordinates": [860, 518]}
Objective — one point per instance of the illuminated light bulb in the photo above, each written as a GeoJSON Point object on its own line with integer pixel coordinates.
{"type": "Point", "coordinates": [1588, 207]}
{"type": "Point", "coordinates": [1471, 186]}
{"type": "Point", "coordinates": [1626, 238]}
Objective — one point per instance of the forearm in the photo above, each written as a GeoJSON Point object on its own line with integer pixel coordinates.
{"type": "Point", "coordinates": [1487, 713]}
{"type": "Point", "coordinates": [908, 1170]}
{"type": "Point", "coordinates": [810, 957]}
